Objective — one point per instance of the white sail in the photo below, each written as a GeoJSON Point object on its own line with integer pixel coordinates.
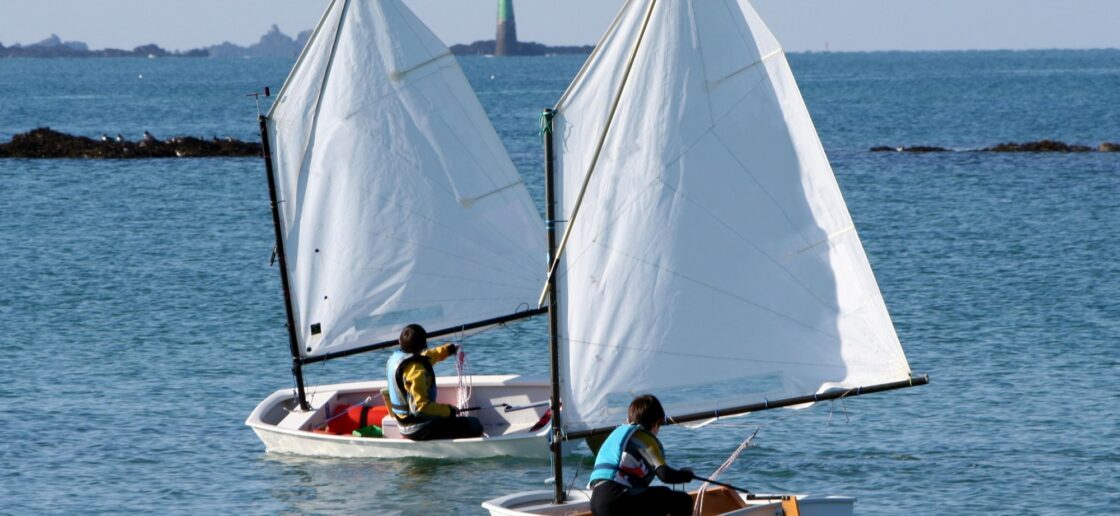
{"type": "Point", "coordinates": [398, 202]}
{"type": "Point", "coordinates": [712, 260]}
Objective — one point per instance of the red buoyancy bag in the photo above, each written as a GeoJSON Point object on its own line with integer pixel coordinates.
{"type": "Point", "coordinates": [353, 418]}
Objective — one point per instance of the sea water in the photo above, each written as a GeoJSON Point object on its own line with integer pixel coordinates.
{"type": "Point", "coordinates": [141, 322]}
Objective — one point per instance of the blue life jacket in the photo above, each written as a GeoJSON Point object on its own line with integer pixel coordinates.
{"type": "Point", "coordinates": [404, 407]}
{"type": "Point", "coordinates": [609, 458]}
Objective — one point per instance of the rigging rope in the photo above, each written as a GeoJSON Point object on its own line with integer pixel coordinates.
{"type": "Point", "coordinates": [465, 380]}
{"type": "Point", "coordinates": [698, 508]}
{"type": "Point", "coordinates": [749, 442]}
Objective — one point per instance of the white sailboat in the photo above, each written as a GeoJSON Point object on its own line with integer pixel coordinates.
{"type": "Point", "coordinates": [707, 255]}
{"type": "Point", "coordinates": [394, 202]}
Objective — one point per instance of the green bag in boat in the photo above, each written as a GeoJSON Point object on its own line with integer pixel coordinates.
{"type": "Point", "coordinates": [369, 431]}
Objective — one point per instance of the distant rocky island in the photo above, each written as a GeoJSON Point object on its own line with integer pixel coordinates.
{"type": "Point", "coordinates": [45, 142]}
{"type": "Point", "coordinates": [524, 48]}
{"type": "Point", "coordinates": [55, 47]}
{"type": "Point", "coordinates": [274, 44]}
{"type": "Point", "coordinates": [1035, 146]}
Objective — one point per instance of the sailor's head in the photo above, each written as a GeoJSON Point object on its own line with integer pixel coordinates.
{"type": "Point", "coordinates": [647, 411]}
{"type": "Point", "coordinates": [413, 339]}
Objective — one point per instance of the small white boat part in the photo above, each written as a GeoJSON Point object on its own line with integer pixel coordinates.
{"type": "Point", "coordinates": [516, 433]}
{"type": "Point", "coordinates": [716, 501]}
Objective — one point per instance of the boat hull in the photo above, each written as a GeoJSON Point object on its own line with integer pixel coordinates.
{"type": "Point", "coordinates": [283, 429]}
{"type": "Point", "coordinates": [579, 502]}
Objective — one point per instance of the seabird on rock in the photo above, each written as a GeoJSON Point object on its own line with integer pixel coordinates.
{"type": "Point", "coordinates": [148, 137]}
{"type": "Point", "coordinates": [104, 137]}
{"type": "Point", "coordinates": [120, 138]}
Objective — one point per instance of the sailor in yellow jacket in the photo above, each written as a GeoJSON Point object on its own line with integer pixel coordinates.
{"type": "Point", "coordinates": [412, 391]}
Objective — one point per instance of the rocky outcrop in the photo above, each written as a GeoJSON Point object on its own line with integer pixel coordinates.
{"type": "Point", "coordinates": [916, 148]}
{"type": "Point", "coordinates": [55, 42]}
{"type": "Point", "coordinates": [272, 44]}
{"type": "Point", "coordinates": [524, 48]}
{"type": "Point", "coordinates": [55, 47]}
{"type": "Point", "coordinates": [1039, 146]}
{"type": "Point", "coordinates": [47, 143]}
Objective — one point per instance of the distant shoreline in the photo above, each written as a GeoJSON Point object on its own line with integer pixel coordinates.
{"type": "Point", "coordinates": [478, 48]}
{"type": "Point", "coordinates": [274, 44]}
{"type": "Point", "coordinates": [45, 143]}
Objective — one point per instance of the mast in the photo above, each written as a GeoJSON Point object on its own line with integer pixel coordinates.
{"type": "Point", "coordinates": [293, 343]}
{"type": "Point", "coordinates": [553, 317]}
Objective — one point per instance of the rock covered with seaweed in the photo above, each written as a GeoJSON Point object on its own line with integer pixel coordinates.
{"type": "Point", "coordinates": [1035, 146]}
{"type": "Point", "coordinates": [45, 142]}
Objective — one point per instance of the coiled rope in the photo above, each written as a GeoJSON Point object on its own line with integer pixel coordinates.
{"type": "Point", "coordinates": [465, 379]}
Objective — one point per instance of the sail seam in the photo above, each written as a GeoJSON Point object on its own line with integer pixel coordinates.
{"type": "Point", "coordinates": [503, 269]}
{"type": "Point", "coordinates": [828, 238]}
{"type": "Point", "coordinates": [388, 234]}
{"type": "Point", "coordinates": [730, 228]}
{"type": "Point", "coordinates": [761, 60]}
{"type": "Point", "coordinates": [628, 205]}
{"type": "Point", "coordinates": [400, 74]}
{"type": "Point", "coordinates": [729, 294]}
{"type": "Point", "coordinates": [712, 357]}
{"type": "Point", "coordinates": [577, 255]}
{"type": "Point", "coordinates": [754, 178]}
{"type": "Point", "coordinates": [484, 168]}
{"type": "Point", "coordinates": [694, 25]}
{"type": "Point", "coordinates": [467, 202]}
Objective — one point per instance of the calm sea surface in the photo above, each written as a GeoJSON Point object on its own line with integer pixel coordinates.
{"type": "Point", "coordinates": [141, 323]}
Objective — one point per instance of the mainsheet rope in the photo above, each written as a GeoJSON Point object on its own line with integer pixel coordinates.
{"type": "Point", "coordinates": [464, 380]}
{"type": "Point", "coordinates": [698, 507]}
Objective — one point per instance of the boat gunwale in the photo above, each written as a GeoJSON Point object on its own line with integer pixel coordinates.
{"type": "Point", "coordinates": [256, 422]}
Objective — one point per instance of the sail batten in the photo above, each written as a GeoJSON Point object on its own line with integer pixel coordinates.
{"type": "Point", "coordinates": [714, 262]}
{"type": "Point", "coordinates": [399, 202]}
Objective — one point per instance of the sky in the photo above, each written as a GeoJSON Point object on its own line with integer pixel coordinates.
{"type": "Point", "coordinates": [801, 25]}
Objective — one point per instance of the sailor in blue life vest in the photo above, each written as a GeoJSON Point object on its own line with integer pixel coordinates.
{"type": "Point", "coordinates": [627, 462]}
{"type": "Point", "coordinates": [412, 391]}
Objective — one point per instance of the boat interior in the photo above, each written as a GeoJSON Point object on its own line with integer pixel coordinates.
{"type": "Point", "coordinates": [337, 409]}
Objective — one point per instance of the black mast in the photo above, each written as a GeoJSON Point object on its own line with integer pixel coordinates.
{"type": "Point", "coordinates": [293, 342]}
{"type": "Point", "coordinates": [769, 405]}
{"type": "Point", "coordinates": [553, 324]}
{"type": "Point", "coordinates": [432, 334]}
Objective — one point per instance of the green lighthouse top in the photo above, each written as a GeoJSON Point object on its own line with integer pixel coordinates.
{"type": "Point", "coordinates": [505, 10]}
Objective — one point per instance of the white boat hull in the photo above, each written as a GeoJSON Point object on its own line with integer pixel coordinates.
{"type": "Point", "coordinates": [579, 503]}
{"type": "Point", "coordinates": [283, 429]}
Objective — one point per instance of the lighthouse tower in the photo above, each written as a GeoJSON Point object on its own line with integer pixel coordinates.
{"type": "Point", "coordinates": [505, 43]}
